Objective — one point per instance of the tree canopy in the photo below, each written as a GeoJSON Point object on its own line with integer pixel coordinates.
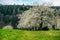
{"type": "Point", "coordinates": [38, 16]}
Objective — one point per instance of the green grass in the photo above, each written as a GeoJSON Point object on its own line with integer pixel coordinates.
{"type": "Point", "coordinates": [29, 35]}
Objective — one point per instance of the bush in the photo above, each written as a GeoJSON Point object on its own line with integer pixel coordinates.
{"type": "Point", "coordinates": [8, 27]}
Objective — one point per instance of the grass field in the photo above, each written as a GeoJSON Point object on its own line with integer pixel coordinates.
{"type": "Point", "coordinates": [29, 35]}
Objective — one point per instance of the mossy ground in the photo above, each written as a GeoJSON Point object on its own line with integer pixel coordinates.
{"type": "Point", "coordinates": [29, 35]}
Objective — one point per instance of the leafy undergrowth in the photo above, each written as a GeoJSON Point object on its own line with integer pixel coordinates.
{"type": "Point", "coordinates": [29, 35]}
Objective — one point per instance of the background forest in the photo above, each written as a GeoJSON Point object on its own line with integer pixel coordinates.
{"type": "Point", "coordinates": [9, 14]}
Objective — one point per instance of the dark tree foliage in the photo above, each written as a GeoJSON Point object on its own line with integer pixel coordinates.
{"type": "Point", "coordinates": [9, 9]}
{"type": "Point", "coordinates": [8, 14]}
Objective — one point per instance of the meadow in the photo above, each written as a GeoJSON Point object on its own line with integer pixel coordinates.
{"type": "Point", "coordinates": [29, 35]}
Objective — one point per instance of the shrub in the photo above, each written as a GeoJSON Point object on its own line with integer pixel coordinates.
{"type": "Point", "coordinates": [8, 27]}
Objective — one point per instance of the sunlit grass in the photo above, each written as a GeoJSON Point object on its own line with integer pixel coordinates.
{"type": "Point", "coordinates": [29, 35]}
